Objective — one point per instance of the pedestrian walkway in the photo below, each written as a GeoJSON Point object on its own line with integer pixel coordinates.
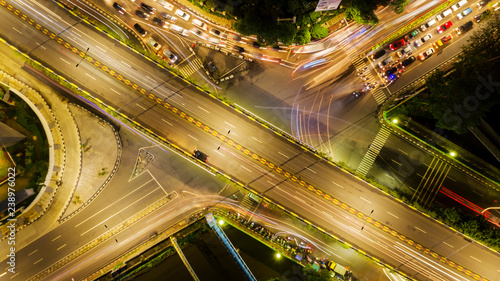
{"type": "Point", "coordinates": [431, 182]}
{"type": "Point", "coordinates": [191, 68]}
{"type": "Point", "coordinates": [367, 75]}
{"type": "Point", "coordinates": [373, 151]}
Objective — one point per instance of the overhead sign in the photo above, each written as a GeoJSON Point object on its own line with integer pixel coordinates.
{"type": "Point", "coordinates": [326, 5]}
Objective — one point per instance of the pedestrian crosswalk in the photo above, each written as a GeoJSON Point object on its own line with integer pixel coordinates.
{"type": "Point", "coordinates": [373, 151]}
{"type": "Point", "coordinates": [248, 203]}
{"type": "Point", "coordinates": [191, 67]}
{"type": "Point", "coordinates": [431, 182]}
{"type": "Point", "coordinates": [366, 75]}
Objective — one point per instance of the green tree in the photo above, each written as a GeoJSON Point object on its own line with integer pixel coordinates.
{"type": "Point", "coordinates": [462, 98]}
{"type": "Point", "coordinates": [451, 216]}
{"type": "Point", "coordinates": [398, 6]}
{"type": "Point", "coordinates": [318, 31]}
{"type": "Point", "coordinates": [303, 36]}
{"type": "Point", "coordinates": [312, 275]}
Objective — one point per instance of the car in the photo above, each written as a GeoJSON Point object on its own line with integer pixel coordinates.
{"type": "Point", "coordinates": [200, 24]}
{"type": "Point", "coordinates": [166, 5]}
{"type": "Point", "coordinates": [155, 45]}
{"type": "Point", "coordinates": [396, 45]}
{"type": "Point", "coordinates": [141, 14]}
{"type": "Point", "coordinates": [139, 29]}
{"type": "Point", "coordinates": [423, 56]}
{"type": "Point", "coordinates": [408, 61]}
{"type": "Point", "coordinates": [464, 27]}
{"type": "Point", "coordinates": [444, 27]}
{"type": "Point", "coordinates": [458, 5]}
{"type": "Point", "coordinates": [412, 34]}
{"type": "Point", "coordinates": [148, 9]}
{"type": "Point", "coordinates": [199, 33]}
{"type": "Point", "coordinates": [390, 71]}
{"type": "Point", "coordinates": [168, 55]}
{"type": "Point", "coordinates": [239, 49]}
{"type": "Point", "coordinates": [481, 15]}
{"type": "Point", "coordinates": [168, 17]}
{"type": "Point", "coordinates": [180, 30]}
{"type": "Point", "coordinates": [119, 8]}
{"type": "Point", "coordinates": [234, 37]}
{"type": "Point", "coordinates": [215, 32]}
{"type": "Point", "coordinates": [385, 62]}
{"type": "Point", "coordinates": [200, 155]}
{"type": "Point", "coordinates": [422, 40]}
{"type": "Point", "coordinates": [464, 13]}
{"type": "Point", "coordinates": [183, 15]}
{"type": "Point", "coordinates": [482, 3]}
{"type": "Point", "coordinates": [444, 14]}
{"type": "Point", "coordinates": [159, 21]}
{"type": "Point", "coordinates": [211, 66]}
{"type": "Point", "coordinates": [378, 54]}
{"type": "Point", "coordinates": [256, 44]}
{"type": "Point", "coordinates": [404, 52]}
{"type": "Point", "coordinates": [446, 39]}
{"type": "Point", "coordinates": [430, 23]}
{"type": "Point", "coordinates": [358, 94]}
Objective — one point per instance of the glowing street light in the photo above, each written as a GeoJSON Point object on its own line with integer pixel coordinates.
{"type": "Point", "coordinates": [278, 255]}
{"type": "Point", "coordinates": [395, 121]}
{"type": "Point", "coordinates": [221, 222]}
{"type": "Point", "coordinates": [453, 154]}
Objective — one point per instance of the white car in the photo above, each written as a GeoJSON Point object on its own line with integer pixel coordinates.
{"type": "Point", "coordinates": [154, 44]}
{"type": "Point", "coordinates": [168, 55]}
{"type": "Point", "coordinates": [426, 54]}
{"type": "Point", "coordinates": [422, 40]}
{"type": "Point", "coordinates": [199, 33]}
{"type": "Point", "coordinates": [444, 14]}
{"type": "Point", "coordinates": [200, 24]}
{"type": "Point", "coordinates": [183, 15]}
{"type": "Point", "coordinates": [458, 5]}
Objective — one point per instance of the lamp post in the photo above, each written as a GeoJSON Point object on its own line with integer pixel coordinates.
{"type": "Point", "coordinates": [223, 141]}
{"type": "Point", "coordinates": [83, 57]}
{"type": "Point", "coordinates": [367, 219]}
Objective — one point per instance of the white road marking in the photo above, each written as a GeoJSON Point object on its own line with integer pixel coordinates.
{"type": "Point", "coordinates": [283, 154]}
{"type": "Point", "coordinates": [115, 91]}
{"type": "Point", "coordinates": [219, 153]}
{"type": "Point", "coordinates": [448, 245]}
{"type": "Point", "coordinates": [420, 229]}
{"type": "Point", "coordinates": [419, 175]}
{"type": "Point", "coordinates": [38, 261]}
{"type": "Point", "coordinates": [395, 161]}
{"type": "Point", "coordinates": [311, 170]}
{"type": "Point", "coordinates": [256, 139]}
{"type": "Point", "coordinates": [166, 122]}
{"type": "Point", "coordinates": [56, 238]}
{"type": "Point", "coordinates": [393, 215]}
{"type": "Point", "coordinates": [61, 247]}
{"type": "Point", "coordinates": [404, 152]}
{"type": "Point", "coordinates": [476, 259]}
{"type": "Point", "coordinates": [388, 175]}
{"type": "Point", "coordinates": [17, 30]}
{"type": "Point", "coordinates": [40, 45]}
{"type": "Point", "coordinates": [203, 109]}
{"type": "Point", "coordinates": [65, 61]}
{"type": "Point", "coordinates": [452, 179]}
{"type": "Point", "coordinates": [337, 184]}
{"type": "Point", "coordinates": [271, 182]}
{"type": "Point", "coordinates": [32, 252]}
{"type": "Point", "coordinates": [245, 168]}
{"type": "Point", "coordinates": [100, 48]}
{"type": "Point", "coordinates": [140, 106]}
{"type": "Point", "coordinates": [364, 199]}
{"type": "Point", "coordinates": [151, 79]}
{"type": "Point", "coordinates": [126, 64]}
{"type": "Point", "coordinates": [193, 137]}
{"type": "Point", "coordinates": [229, 124]}
{"type": "Point", "coordinates": [89, 75]}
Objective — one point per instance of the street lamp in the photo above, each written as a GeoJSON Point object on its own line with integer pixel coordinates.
{"type": "Point", "coordinates": [367, 219]}
{"type": "Point", "coordinates": [221, 222]}
{"type": "Point", "coordinates": [223, 141]}
{"type": "Point", "coordinates": [453, 154]}
{"type": "Point", "coordinates": [83, 57]}
{"type": "Point", "coordinates": [395, 121]}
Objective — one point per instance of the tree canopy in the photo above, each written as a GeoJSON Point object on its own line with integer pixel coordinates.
{"type": "Point", "coordinates": [460, 99]}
